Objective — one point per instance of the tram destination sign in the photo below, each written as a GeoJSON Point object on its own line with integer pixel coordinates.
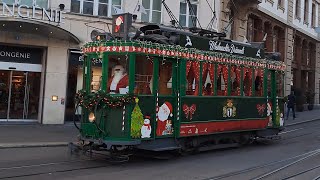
{"type": "Point", "coordinates": [228, 47]}
{"type": "Point", "coordinates": [20, 54]}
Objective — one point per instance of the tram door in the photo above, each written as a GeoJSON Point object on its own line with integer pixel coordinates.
{"type": "Point", "coordinates": [166, 97]}
{"type": "Point", "coordinates": [275, 89]}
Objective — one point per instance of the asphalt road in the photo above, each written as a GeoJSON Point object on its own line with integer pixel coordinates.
{"type": "Point", "coordinates": [295, 156]}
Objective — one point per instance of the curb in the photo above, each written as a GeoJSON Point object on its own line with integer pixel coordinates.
{"type": "Point", "coordinates": [302, 122]}
{"type": "Point", "coordinates": [30, 145]}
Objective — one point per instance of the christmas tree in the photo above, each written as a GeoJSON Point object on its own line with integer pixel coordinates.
{"type": "Point", "coordinates": [136, 121]}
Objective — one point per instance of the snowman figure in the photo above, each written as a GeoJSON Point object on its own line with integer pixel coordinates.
{"type": "Point", "coordinates": [146, 128]}
{"type": "Point", "coordinates": [281, 119]}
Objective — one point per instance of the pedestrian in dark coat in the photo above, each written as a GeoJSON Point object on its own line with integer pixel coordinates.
{"type": "Point", "coordinates": [290, 104]}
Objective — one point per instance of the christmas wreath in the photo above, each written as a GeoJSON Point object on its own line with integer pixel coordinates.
{"type": "Point", "coordinates": [102, 99]}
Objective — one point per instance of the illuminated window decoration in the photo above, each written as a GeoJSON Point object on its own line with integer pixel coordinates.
{"type": "Point", "coordinates": [258, 82]}
{"type": "Point", "coordinates": [193, 75]}
{"type": "Point", "coordinates": [247, 81]}
{"type": "Point", "coordinates": [222, 82]}
{"type": "Point", "coordinates": [235, 80]}
{"type": "Point", "coordinates": [208, 79]}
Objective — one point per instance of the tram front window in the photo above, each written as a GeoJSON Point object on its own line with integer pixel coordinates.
{"type": "Point", "coordinates": [96, 74]}
{"type": "Point", "coordinates": [143, 75]}
{"type": "Point", "coordinates": [118, 74]}
{"type": "Point", "coordinates": [165, 78]}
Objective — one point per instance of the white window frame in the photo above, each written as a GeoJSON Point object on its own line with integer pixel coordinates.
{"type": "Point", "coordinates": [151, 12]}
{"type": "Point", "coordinates": [188, 12]}
{"type": "Point", "coordinates": [96, 7]}
{"type": "Point", "coordinates": [34, 2]}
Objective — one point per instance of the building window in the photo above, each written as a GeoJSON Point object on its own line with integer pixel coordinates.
{"type": "Point", "coordinates": [188, 16]}
{"type": "Point", "coordinates": [313, 15]}
{"type": "Point", "coordinates": [30, 3]}
{"type": "Point", "coordinates": [153, 9]}
{"type": "Point", "coordinates": [298, 9]}
{"type": "Point", "coordinates": [306, 11]}
{"type": "Point", "coordinates": [95, 7]}
{"type": "Point", "coordinates": [281, 4]}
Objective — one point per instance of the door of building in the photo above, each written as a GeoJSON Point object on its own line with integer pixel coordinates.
{"type": "Point", "coordinates": [19, 95]}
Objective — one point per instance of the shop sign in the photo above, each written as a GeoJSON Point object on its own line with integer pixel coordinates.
{"type": "Point", "coordinates": [207, 44]}
{"type": "Point", "coordinates": [20, 54]}
{"type": "Point", "coordinates": [78, 59]}
{"type": "Point", "coordinates": [34, 12]}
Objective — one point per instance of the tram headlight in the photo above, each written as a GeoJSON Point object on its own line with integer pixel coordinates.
{"type": "Point", "coordinates": [92, 117]}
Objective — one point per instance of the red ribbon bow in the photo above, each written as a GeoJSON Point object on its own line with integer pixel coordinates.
{"type": "Point", "coordinates": [189, 111]}
{"type": "Point", "coordinates": [261, 109]}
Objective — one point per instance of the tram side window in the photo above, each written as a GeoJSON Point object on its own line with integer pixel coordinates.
{"type": "Point", "coordinates": [235, 80]}
{"type": "Point", "coordinates": [279, 81]}
{"type": "Point", "coordinates": [165, 78]}
{"type": "Point", "coordinates": [258, 82]}
{"type": "Point", "coordinates": [247, 81]}
{"type": "Point", "coordinates": [118, 74]}
{"type": "Point", "coordinates": [96, 74]}
{"type": "Point", "coordinates": [192, 78]}
{"type": "Point", "coordinates": [222, 80]}
{"type": "Point", "coordinates": [143, 75]}
{"type": "Point", "coordinates": [207, 79]}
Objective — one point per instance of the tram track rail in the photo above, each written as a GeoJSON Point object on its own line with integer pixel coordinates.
{"type": "Point", "coordinates": [287, 163]}
{"type": "Point", "coordinates": [100, 161]}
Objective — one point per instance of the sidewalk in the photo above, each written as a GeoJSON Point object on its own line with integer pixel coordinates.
{"type": "Point", "coordinates": [302, 117]}
{"type": "Point", "coordinates": [38, 135]}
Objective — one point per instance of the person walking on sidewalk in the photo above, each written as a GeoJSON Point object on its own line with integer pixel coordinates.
{"type": "Point", "coordinates": [290, 105]}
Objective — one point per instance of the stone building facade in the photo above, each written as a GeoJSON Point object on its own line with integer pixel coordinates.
{"type": "Point", "coordinates": [288, 27]}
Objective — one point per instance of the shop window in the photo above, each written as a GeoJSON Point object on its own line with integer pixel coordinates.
{"type": "Point", "coordinates": [222, 80]}
{"type": "Point", "coordinates": [279, 81]}
{"type": "Point", "coordinates": [207, 79]}
{"type": "Point", "coordinates": [153, 10]}
{"type": "Point", "coordinates": [144, 75]}
{"type": "Point", "coordinates": [258, 82]}
{"type": "Point", "coordinates": [165, 78]}
{"type": "Point", "coordinates": [247, 81]}
{"type": "Point", "coordinates": [96, 74]}
{"type": "Point", "coordinates": [188, 17]}
{"type": "Point", "coordinates": [192, 78]}
{"type": "Point", "coordinates": [235, 74]}
{"type": "Point", "coordinates": [118, 74]}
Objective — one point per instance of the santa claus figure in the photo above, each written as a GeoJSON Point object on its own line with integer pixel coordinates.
{"type": "Point", "coordinates": [164, 111]}
{"type": "Point", "coordinates": [119, 21]}
{"type": "Point", "coordinates": [118, 80]}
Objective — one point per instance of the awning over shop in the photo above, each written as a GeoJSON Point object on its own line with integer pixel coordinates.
{"type": "Point", "coordinates": [37, 28]}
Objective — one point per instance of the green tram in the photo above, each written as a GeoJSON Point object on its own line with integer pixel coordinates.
{"type": "Point", "coordinates": [198, 94]}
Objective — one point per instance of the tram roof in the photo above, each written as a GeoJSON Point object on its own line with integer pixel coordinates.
{"type": "Point", "coordinates": [179, 52]}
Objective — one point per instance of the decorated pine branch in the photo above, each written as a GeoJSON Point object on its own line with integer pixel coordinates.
{"type": "Point", "coordinates": [101, 99]}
